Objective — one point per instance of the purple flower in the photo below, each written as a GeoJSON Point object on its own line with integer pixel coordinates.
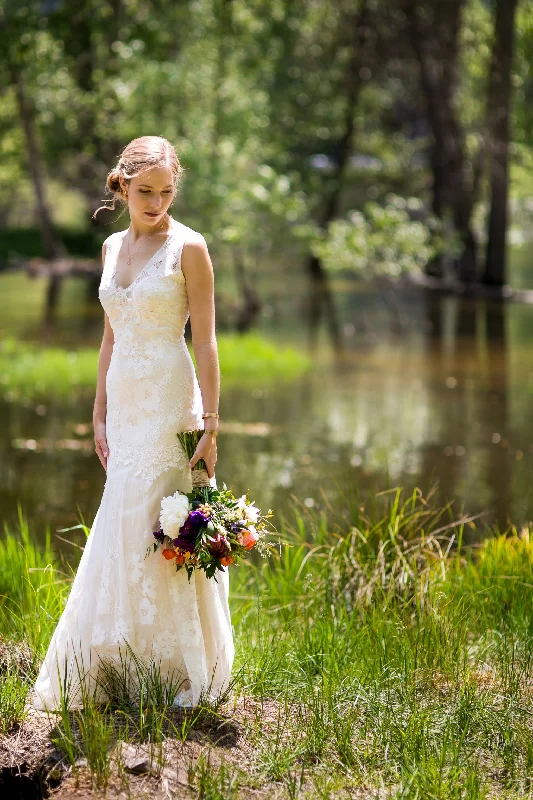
{"type": "Point", "coordinates": [159, 535]}
{"type": "Point", "coordinates": [198, 519]}
{"type": "Point", "coordinates": [184, 543]}
{"type": "Point", "coordinates": [188, 529]}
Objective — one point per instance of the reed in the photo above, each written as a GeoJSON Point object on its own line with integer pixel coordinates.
{"type": "Point", "coordinates": [398, 641]}
{"type": "Point", "coordinates": [33, 587]}
{"type": "Point", "coordinates": [379, 650]}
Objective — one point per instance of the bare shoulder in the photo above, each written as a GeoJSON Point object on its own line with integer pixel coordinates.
{"type": "Point", "coordinates": [195, 255]}
{"type": "Point", "coordinates": [195, 259]}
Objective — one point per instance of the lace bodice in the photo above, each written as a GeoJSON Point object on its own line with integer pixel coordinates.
{"type": "Point", "coordinates": [151, 384]}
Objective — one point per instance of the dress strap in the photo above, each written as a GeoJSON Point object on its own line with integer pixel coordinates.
{"type": "Point", "coordinates": [181, 234]}
{"type": "Point", "coordinates": [111, 252]}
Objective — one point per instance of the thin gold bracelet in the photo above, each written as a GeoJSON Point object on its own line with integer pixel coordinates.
{"type": "Point", "coordinates": [210, 414]}
{"type": "Point", "coordinates": [212, 433]}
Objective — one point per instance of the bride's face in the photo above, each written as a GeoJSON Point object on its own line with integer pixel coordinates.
{"type": "Point", "coordinates": [150, 195]}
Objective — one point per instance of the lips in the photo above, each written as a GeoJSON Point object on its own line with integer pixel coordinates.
{"type": "Point", "coordinates": [151, 214]}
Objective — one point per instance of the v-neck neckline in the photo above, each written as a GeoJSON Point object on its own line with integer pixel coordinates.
{"type": "Point", "coordinates": [143, 270]}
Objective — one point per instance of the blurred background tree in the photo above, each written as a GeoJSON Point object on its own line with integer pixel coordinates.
{"type": "Point", "coordinates": [304, 93]}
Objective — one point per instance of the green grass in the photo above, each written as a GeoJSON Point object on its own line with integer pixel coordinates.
{"type": "Point", "coordinates": [31, 372]}
{"type": "Point", "coordinates": [33, 587]}
{"type": "Point", "coordinates": [13, 691]}
{"type": "Point", "coordinates": [379, 651]}
{"type": "Point", "coordinates": [252, 356]}
{"type": "Point", "coordinates": [215, 783]}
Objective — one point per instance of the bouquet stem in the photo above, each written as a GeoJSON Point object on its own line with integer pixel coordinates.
{"type": "Point", "coordinates": [200, 479]}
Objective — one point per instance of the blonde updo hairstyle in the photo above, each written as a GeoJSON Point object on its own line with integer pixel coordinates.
{"type": "Point", "coordinates": [138, 156]}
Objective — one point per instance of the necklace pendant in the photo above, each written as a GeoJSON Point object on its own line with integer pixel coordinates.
{"type": "Point", "coordinates": [129, 261]}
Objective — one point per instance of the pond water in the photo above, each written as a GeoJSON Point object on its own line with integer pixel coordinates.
{"type": "Point", "coordinates": [446, 401]}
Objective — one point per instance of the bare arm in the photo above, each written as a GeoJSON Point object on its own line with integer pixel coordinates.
{"type": "Point", "coordinates": [100, 401]}
{"type": "Point", "coordinates": [104, 358]}
{"type": "Point", "coordinates": [198, 271]}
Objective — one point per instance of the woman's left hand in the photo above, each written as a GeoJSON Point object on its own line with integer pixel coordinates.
{"type": "Point", "coordinates": [206, 449]}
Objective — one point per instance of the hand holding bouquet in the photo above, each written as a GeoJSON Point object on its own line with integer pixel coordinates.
{"type": "Point", "coordinates": [208, 528]}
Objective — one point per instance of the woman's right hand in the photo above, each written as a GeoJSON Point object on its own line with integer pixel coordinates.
{"type": "Point", "coordinates": [100, 441]}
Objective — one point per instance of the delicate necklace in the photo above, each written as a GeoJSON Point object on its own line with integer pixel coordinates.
{"type": "Point", "coordinates": [143, 241]}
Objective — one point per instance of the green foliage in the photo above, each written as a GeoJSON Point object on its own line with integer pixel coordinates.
{"type": "Point", "coordinates": [381, 240]}
{"type": "Point", "coordinates": [21, 242]}
{"type": "Point", "coordinates": [474, 57]}
{"type": "Point", "coordinates": [250, 94]}
{"type": "Point", "coordinates": [523, 79]}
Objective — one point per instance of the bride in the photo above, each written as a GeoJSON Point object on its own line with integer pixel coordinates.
{"type": "Point", "coordinates": [156, 274]}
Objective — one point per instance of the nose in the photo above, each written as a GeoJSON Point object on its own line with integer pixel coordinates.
{"type": "Point", "coordinates": [155, 202]}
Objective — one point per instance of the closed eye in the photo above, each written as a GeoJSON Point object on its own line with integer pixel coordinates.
{"type": "Point", "coordinates": [147, 191]}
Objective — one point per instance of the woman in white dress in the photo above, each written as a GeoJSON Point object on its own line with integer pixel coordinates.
{"type": "Point", "coordinates": [156, 274]}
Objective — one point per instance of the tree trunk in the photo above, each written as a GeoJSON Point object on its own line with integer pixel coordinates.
{"type": "Point", "coordinates": [321, 296]}
{"type": "Point", "coordinates": [52, 246]}
{"type": "Point", "coordinates": [434, 32]}
{"type": "Point", "coordinates": [499, 103]}
{"type": "Point", "coordinates": [250, 308]}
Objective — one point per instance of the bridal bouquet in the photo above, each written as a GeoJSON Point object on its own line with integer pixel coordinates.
{"type": "Point", "coordinates": [208, 528]}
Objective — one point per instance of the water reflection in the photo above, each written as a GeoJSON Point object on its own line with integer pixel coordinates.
{"type": "Point", "coordinates": [470, 364]}
{"type": "Point", "coordinates": [448, 403]}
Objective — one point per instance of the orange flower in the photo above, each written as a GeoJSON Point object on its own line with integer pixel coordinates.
{"type": "Point", "coordinates": [169, 554]}
{"type": "Point", "coordinates": [180, 559]}
{"type": "Point", "coordinates": [227, 560]}
{"type": "Point", "coordinates": [249, 538]}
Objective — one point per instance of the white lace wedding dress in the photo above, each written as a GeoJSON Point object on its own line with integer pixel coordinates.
{"type": "Point", "coordinates": [118, 595]}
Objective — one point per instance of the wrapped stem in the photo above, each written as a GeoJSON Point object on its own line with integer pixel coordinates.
{"type": "Point", "coordinates": [200, 479]}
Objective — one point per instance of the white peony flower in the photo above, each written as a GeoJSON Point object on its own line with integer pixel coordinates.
{"type": "Point", "coordinates": [174, 511]}
{"type": "Point", "coordinates": [251, 513]}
